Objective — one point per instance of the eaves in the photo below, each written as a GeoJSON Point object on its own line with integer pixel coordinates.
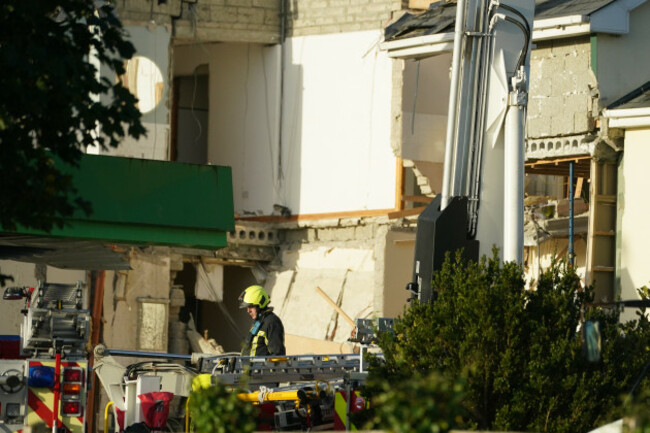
{"type": "Point", "coordinates": [612, 19]}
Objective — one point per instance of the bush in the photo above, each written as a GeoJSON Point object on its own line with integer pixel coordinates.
{"type": "Point", "coordinates": [517, 352]}
{"type": "Point", "coordinates": [422, 404]}
{"type": "Point", "coordinates": [218, 410]}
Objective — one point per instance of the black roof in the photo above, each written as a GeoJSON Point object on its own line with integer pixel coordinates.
{"type": "Point", "coordinates": [560, 8]}
{"type": "Point", "coordinates": [441, 15]}
{"type": "Point", "coordinates": [637, 98]}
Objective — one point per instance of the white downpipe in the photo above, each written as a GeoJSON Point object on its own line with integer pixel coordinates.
{"type": "Point", "coordinates": [513, 185]}
{"type": "Point", "coordinates": [452, 114]}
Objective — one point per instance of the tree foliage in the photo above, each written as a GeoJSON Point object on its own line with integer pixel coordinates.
{"type": "Point", "coordinates": [518, 352]}
{"type": "Point", "coordinates": [217, 409]}
{"type": "Point", "coordinates": [52, 103]}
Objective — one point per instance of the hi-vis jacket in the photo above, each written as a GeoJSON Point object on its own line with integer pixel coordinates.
{"type": "Point", "coordinates": [266, 336]}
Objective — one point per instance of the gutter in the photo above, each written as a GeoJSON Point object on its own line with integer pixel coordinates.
{"type": "Point", "coordinates": [561, 27]}
{"type": "Point", "coordinates": [628, 117]}
{"type": "Point", "coordinates": [432, 45]}
{"type": "Point", "coordinates": [420, 46]}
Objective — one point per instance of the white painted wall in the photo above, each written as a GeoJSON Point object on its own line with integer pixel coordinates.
{"type": "Point", "coordinates": [634, 208]}
{"type": "Point", "coordinates": [621, 61]}
{"type": "Point", "coordinates": [425, 93]}
{"type": "Point", "coordinates": [336, 124]}
{"type": "Point", "coordinates": [335, 153]}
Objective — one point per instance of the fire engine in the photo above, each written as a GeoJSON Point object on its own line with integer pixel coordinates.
{"type": "Point", "coordinates": [44, 371]}
{"type": "Point", "coordinates": [298, 392]}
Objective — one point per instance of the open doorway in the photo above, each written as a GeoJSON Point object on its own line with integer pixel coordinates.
{"type": "Point", "coordinates": [191, 113]}
{"type": "Point", "coordinates": [224, 321]}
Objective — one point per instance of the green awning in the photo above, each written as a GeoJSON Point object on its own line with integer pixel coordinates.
{"type": "Point", "coordinates": [146, 202]}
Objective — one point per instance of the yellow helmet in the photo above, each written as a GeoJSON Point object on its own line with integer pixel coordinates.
{"type": "Point", "coordinates": [254, 295]}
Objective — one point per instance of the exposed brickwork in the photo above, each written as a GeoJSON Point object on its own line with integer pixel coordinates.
{"type": "Point", "coordinates": [308, 17]}
{"type": "Point", "coordinates": [563, 92]}
{"type": "Point", "coordinates": [210, 20]}
{"type": "Point", "coordinates": [261, 20]}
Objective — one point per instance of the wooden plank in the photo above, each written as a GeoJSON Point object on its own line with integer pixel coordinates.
{"type": "Point", "coordinates": [420, 4]}
{"type": "Point", "coordinates": [603, 269]}
{"type": "Point", "coordinates": [605, 198]}
{"type": "Point", "coordinates": [316, 216]}
{"type": "Point", "coordinates": [418, 198]}
{"type": "Point", "coordinates": [336, 307]}
{"type": "Point", "coordinates": [578, 187]}
{"type": "Point", "coordinates": [562, 253]}
{"type": "Point", "coordinates": [405, 213]}
{"type": "Point", "coordinates": [557, 161]}
{"type": "Point", "coordinates": [399, 184]}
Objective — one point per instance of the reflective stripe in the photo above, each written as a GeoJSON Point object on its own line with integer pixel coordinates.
{"type": "Point", "coordinates": [41, 400]}
{"type": "Point", "coordinates": [256, 340]}
{"type": "Point", "coordinates": [340, 411]}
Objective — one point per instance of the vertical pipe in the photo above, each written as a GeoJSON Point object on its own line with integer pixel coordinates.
{"type": "Point", "coordinates": [96, 317]}
{"type": "Point", "coordinates": [453, 104]}
{"type": "Point", "coordinates": [56, 390]}
{"type": "Point", "coordinates": [571, 214]}
{"type": "Point", "coordinates": [106, 413]}
{"type": "Point", "coordinates": [513, 186]}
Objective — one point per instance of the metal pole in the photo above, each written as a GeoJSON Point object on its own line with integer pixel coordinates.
{"type": "Point", "coordinates": [452, 114]}
{"type": "Point", "coordinates": [513, 176]}
{"type": "Point", "coordinates": [139, 354]}
{"type": "Point", "coordinates": [571, 214]}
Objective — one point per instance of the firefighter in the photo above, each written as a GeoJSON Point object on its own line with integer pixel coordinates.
{"type": "Point", "coordinates": [266, 336]}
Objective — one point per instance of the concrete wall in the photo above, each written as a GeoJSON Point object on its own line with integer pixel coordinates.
{"type": "Point", "coordinates": [621, 64]}
{"type": "Point", "coordinates": [349, 261]}
{"type": "Point", "coordinates": [310, 17]}
{"type": "Point", "coordinates": [561, 100]}
{"type": "Point", "coordinates": [633, 208]}
{"type": "Point", "coordinates": [149, 278]}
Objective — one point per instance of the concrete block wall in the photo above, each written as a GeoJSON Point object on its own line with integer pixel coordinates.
{"type": "Point", "coordinates": [563, 96]}
{"type": "Point", "coordinates": [312, 17]}
{"type": "Point", "coordinates": [256, 21]}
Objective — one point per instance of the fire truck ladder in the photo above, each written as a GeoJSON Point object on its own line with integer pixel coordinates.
{"type": "Point", "coordinates": [273, 369]}
{"type": "Point", "coordinates": [55, 314]}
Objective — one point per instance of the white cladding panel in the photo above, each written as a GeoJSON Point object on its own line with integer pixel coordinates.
{"type": "Point", "coordinates": [633, 208]}
{"type": "Point", "coordinates": [336, 127]}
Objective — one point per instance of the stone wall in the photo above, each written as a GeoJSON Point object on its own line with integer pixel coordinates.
{"type": "Point", "coordinates": [563, 98]}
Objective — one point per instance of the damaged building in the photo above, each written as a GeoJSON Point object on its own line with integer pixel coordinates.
{"type": "Point", "coordinates": [332, 117]}
{"type": "Point", "coordinates": [582, 61]}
